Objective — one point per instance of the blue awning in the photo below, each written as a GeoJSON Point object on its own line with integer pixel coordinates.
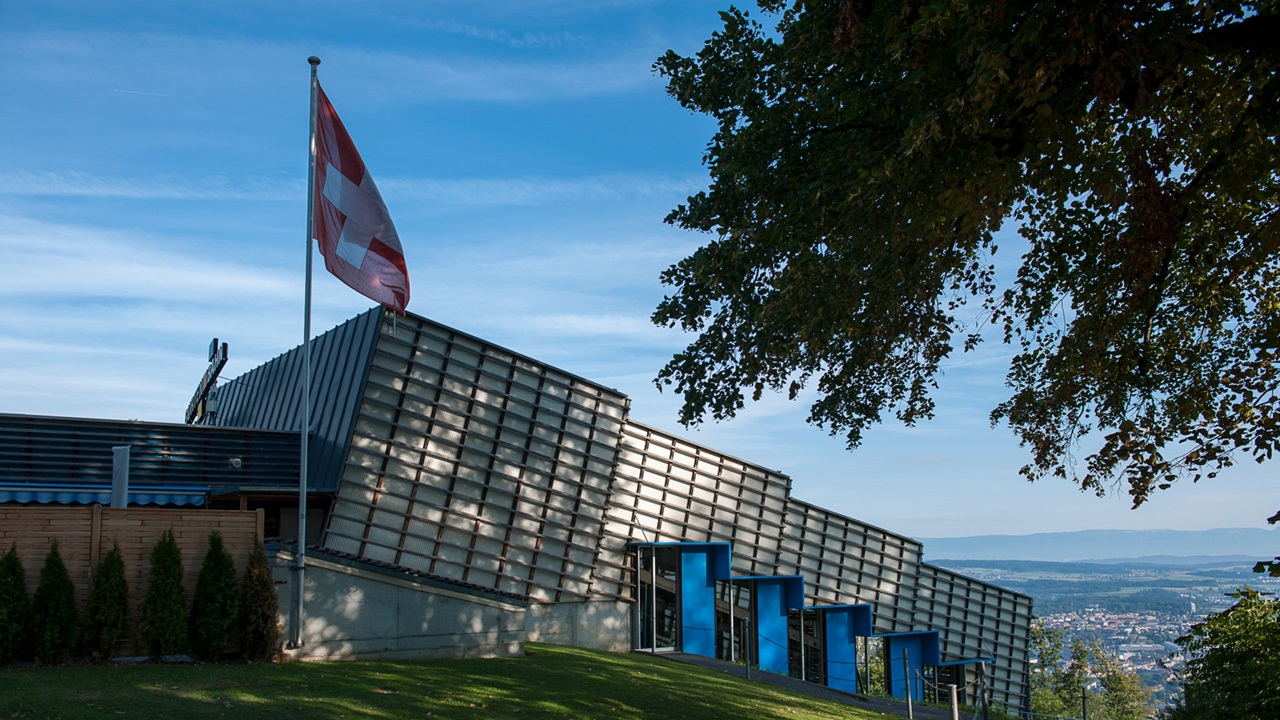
{"type": "Point", "coordinates": [76, 494]}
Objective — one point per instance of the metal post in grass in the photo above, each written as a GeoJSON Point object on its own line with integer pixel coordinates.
{"type": "Point", "coordinates": [906, 683]}
{"type": "Point", "coordinates": [803, 675]}
{"type": "Point", "coordinates": [653, 606]}
{"type": "Point", "coordinates": [637, 635]}
{"type": "Point", "coordinates": [955, 701]}
{"type": "Point", "coordinates": [866, 664]}
{"type": "Point", "coordinates": [986, 701]}
{"type": "Point", "coordinates": [747, 638]}
{"type": "Point", "coordinates": [733, 650]}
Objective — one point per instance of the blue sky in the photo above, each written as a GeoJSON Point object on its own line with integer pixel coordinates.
{"type": "Point", "coordinates": [152, 196]}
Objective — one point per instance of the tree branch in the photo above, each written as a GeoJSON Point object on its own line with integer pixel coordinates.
{"type": "Point", "coordinates": [1255, 34]}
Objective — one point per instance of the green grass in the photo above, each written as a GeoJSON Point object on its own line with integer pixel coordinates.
{"type": "Point", "coordinates": [551, 682]}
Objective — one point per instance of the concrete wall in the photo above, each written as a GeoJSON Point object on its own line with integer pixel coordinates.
{"type": "Point", "coordinates": [600, 625]}
{"type": "Point", "coordinates": [354, 613]}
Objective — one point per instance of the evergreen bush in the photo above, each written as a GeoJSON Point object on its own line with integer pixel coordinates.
{"type": "Point", "coordinates": [164, 612]}
{"type": "Point", "coordinates": [107, 613]}
{"type": "Point", "coordinates": [213, 609]}
{"type": "Point", "coordinates": [54, 628]}
{"type": "Point", "coordinates": [259, 613]}
{"type": "Point", "coordinates": [15, 610]}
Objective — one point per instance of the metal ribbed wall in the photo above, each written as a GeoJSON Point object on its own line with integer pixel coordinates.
{"type": "Point", "coordinates": [77, 450]}
{"type": "Point", "coordinates": [479, 465]}
{"type": "Point", "coordinates": [846, 561]}
{"type": "Point", "coordinates": [977, 619]}
{"type": "Point", "coordinates": [666, 489]}
{"type": "Point", "coordinates": [270, 395]}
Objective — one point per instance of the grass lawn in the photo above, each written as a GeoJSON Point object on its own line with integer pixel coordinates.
{"type": "Point", "coordinates": [551, 682]}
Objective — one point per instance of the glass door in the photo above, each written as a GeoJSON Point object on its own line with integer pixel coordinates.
{"type": "Point", "coordinates": [657, 576]}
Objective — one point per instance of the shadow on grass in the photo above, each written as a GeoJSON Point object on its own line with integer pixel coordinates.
{"type": "Point", "coordinates": [551, 682]}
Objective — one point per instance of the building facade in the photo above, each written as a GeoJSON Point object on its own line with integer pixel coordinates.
{"type": "Point", "coordinates": [434, 450]}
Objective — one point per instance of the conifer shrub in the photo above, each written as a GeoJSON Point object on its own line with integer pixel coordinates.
{"type": "Point", "coordinates": [259, 621]}
{"type": "Point", "coordinates": [107, 612]}
{"type": "Point", "coordinates": [213, 609]}
{"type": "Point", "coordinates": [54, 620]}
{"type": "Point", "coordinates": [15, 610]}
{"type": "Point", "coordinates": [164, 612]}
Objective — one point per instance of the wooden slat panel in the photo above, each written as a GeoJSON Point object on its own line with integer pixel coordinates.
{"type": "Point", "coordinates": [33, 529]}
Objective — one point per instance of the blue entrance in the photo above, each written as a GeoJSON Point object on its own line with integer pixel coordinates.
{"type": "Point", "coordinates": [906, 655]}
{"type": "Point", "coordinates": [844, 625]}
{"type": "Point", "coordinates": [689, 588]}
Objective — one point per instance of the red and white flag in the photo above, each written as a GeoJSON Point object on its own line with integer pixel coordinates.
{"type": "Point", "coordinates": [351, 222]}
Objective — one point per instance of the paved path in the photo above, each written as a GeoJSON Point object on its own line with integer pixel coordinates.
{"type": "Point", "coordinates": [875, 704]}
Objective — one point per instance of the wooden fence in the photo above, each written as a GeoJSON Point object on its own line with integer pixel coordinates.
{"type": "Point", "coordinates": [85, 534]}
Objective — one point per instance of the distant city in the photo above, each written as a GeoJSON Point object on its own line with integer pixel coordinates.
{"type": "Point", "coordinates": [1109, 585]}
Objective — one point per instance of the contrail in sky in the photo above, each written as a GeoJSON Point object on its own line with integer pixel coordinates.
{"type": "Point", "coordinates": [140, 92]}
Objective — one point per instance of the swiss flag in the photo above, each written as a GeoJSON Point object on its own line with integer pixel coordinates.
{"type": "Point", "coordinates": [351, 222]}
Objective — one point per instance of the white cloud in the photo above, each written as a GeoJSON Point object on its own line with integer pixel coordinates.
{"type": "Point", "coordinates": [168, 65]}
{"type": "Point", "coordinates": [496, 35]}
{"type": "Point", "coordinates": [108, 323]}
{"type": "Point", "coordinates": [81, 184]}
{"type": "Point", "coordinates": [539, 191]}
{"type": "Point", "coordinates": [74, 261]}
{"type": "Point", "coordinates": [528, 191]}
{"type": "Point", "coordinates": [429, 78]}
{"type": "Point", "coordinates": [628, 327]}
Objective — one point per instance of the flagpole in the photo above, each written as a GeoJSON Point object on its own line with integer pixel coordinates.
{"type": "Point", "coordinates": [301, 556]}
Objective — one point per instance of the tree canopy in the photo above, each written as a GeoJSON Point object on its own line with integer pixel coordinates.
{"type": "Point", "coordinates": [1065, 687]}
{"type": "Point", "coordinates": [1233, 665]}
{"type": "Point", "coordinates": [867, 153]}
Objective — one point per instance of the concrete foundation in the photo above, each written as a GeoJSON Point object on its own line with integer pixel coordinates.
{"type": "Point", "coordinates": [354, 612]}
{"type": "Point", "coordinates": [600, 625]}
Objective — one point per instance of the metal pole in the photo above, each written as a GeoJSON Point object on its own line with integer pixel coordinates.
{"type": "Point", "coordinates": [733, 651]}
{"type": "Point", "coordinates": [748, 627]}
{"type": "Point", "coordinates": [1084, 703]}
{"type": "Point", "coordinates": [906, 682]}
{"type": "Point", "coordinates": [986, 709]}
{"type": "Point", "coordinates": [955, 701]}
{"type": "Point", "coordinates": [867, 665]}
{"type": "Point", "coordinates": [299, 597]}
{"type": "Point", "coordinates": [637, 638]}
{"type": "Point", "coordinates": [803, 646]}
{"type": "Point", "coordinates": [653, 608]}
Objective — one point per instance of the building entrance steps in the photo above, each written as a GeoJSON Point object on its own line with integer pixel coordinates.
{"type": "Point", "coordinates": [876, 704]}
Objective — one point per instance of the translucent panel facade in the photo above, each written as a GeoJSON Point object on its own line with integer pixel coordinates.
{"type": "Point", "coordinates": [474, 464]}
{"type": "Point", "coordinates": [670, 490]}
{"type": "Point", "coordinates": [845, 561]}
{"type": "Point", "coordinates": [978, 620]}
{"type": "Point", "coordinates": [666, 489]}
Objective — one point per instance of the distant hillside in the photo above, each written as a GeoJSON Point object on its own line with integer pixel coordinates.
{"type": "Point", "coordinates": [1151, 546]}
{"type": "Point", "coordinates": [1119, 587]}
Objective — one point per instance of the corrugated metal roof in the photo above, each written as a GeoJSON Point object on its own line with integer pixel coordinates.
{"type": "Point", "coordinates": [270, 397]}
{"type": "Point", "coordinates": [45, 494]}
{"type": "Point", "coordinates": [36, 449]}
